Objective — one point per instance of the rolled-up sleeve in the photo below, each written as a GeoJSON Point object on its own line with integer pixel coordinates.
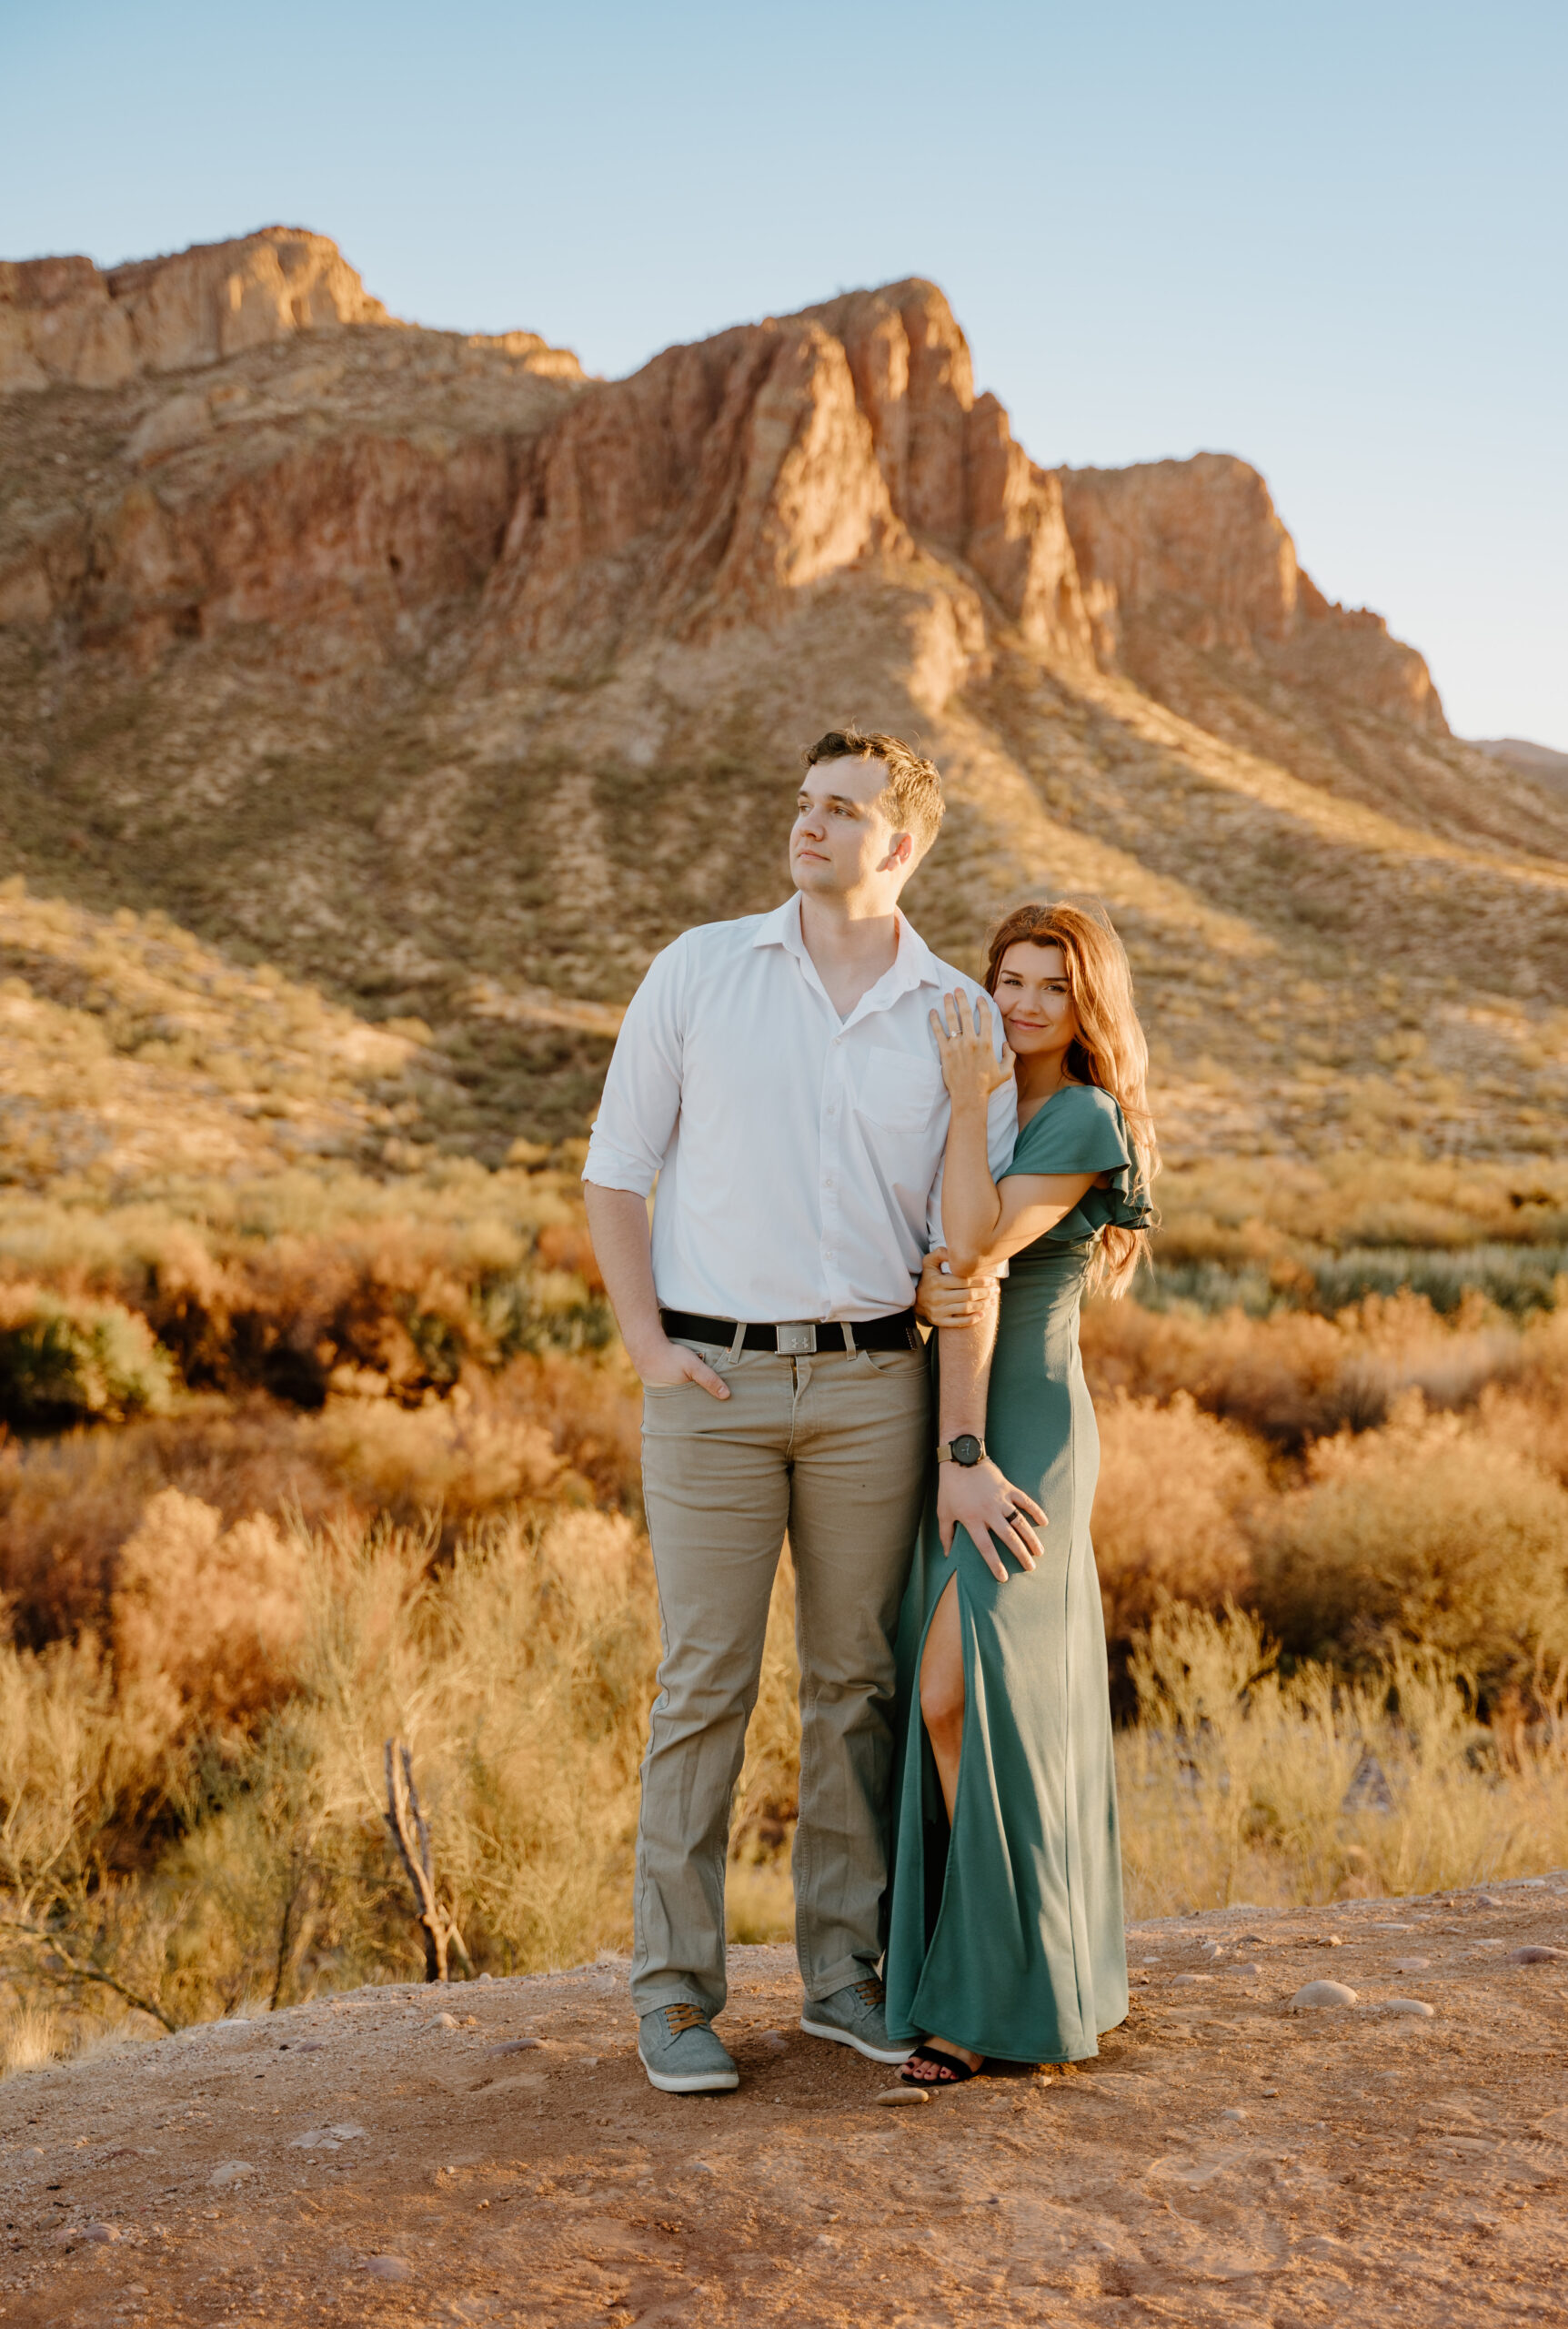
{"type": "Point", "coordinates": [642, 1103]}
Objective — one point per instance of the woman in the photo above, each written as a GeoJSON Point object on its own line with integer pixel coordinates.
{"type": "Point", "coordinates": [1006, 1925]}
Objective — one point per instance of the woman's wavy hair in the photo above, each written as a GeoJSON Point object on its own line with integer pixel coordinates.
{"type": "Point", "coordinates": [1109, 1049]}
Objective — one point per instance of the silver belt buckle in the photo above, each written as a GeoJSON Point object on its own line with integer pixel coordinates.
{"type": "Point", "coordinates": [798, 1340]}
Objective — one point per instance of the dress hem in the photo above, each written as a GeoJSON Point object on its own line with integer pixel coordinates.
{"type": "Point", "coordinates": [997, 2054]}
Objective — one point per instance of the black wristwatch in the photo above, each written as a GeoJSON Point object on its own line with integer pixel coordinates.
{"type": "Point", "coordinates": [965, 1449]}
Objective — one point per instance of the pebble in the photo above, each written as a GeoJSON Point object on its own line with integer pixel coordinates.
{"type": "Point", "coordinates": [444, 2021]}
{"type": "Point", "coordinates": [101, 2234]}
{"type": "Point", "coordinates": [1245, 1970]}
{"type": "Point", "coordinates": [326, 2138]}
{"type": "Point", "coordinates": [233, 2171]}
{"type": "Point", "coordinates": [1537, 1953]}
{"type": "Point", "coordinates": [896, 2097]}
{"type": "Point", "coordinates": [1232, 2113]}
{"type": "Point", "coordinates": [1412, 1964]}
{"type": "Point", "coordinates": [1312, 1995]}
{"type": "Point", "coordinates": [775, 2041]}
{"type": "Point", "coordinates": [1184, 1980]}
{"type": "Point", "coordinates": [1409, 2005]}
{"type": "Point", "coordinates": [388, 2268]}
{"type": "Point", "coordinates": [1487, 1900]}
{"type": "Point", "coordinates": [514, 2046]}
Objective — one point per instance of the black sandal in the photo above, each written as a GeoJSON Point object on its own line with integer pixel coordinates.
{"type": "Point", "coordinates": [952, 2073]}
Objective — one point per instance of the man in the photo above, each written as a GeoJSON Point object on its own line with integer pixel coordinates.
{"type": "Point", "coordinates": [778, 1077]}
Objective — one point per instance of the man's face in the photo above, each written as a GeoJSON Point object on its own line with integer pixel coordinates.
{"type": "Point", "coordinates": [841, 839]}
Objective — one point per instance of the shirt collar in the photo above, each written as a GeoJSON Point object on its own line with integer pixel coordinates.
{"type": "Point", "coordinates": [914, 965]}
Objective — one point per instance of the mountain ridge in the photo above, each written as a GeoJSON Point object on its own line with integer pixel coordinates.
{"type": "Point", "coordinates": [450, 680]}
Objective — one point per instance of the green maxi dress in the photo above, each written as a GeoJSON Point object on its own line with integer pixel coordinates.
{"type": "Point", "coordinates": [1006, 1935]}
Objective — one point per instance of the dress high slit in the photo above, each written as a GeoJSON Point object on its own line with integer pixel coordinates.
{"type": "Point", "coordinates": [1005, 1935]}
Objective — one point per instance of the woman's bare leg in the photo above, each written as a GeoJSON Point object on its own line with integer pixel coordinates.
{"type": "Point", "coordinates": [942, 1712]}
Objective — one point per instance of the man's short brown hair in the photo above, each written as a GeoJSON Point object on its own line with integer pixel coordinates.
{"type": "Point", "coordinates": [911, 800]}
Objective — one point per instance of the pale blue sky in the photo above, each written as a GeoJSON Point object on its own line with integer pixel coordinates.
{"type": "Point", "coordinates": [1329, 238]}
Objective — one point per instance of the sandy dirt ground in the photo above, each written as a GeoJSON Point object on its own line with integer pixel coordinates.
{"type": "Point", "coordinates": [492, 2152]}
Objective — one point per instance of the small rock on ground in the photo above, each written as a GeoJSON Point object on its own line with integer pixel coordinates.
{"type": "Point", "coordinates": [1313, 1994]}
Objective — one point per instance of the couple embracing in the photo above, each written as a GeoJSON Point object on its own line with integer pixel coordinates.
{"type": "Point", "coordinates": [844, 1144]}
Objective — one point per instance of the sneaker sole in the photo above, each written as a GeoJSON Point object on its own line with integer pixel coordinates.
{"type": "Point", "coordinates": [694, 2082]}
{"type": "Point", "coordinates": [845, 2037]}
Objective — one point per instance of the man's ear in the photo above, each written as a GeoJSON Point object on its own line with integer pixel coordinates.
{"type": "Point", "coordinates": [901, 853]}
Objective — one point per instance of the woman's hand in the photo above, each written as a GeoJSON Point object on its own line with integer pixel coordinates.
{"type": "Point", "coordinates": [970, 1068]}
{"type": "Point", "coordinates": [941, 1301]}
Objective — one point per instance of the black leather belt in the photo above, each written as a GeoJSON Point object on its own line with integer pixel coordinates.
{"type": "Point", "coordinates": [797, 1339]}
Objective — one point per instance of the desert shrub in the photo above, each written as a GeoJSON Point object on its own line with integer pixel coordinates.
{"type": "Point", "coordinates": [1245, 1211]}
{"type": "Point", "coordinates": [1426, 1534]}
{"type": "Point", "coordinates": [1172, 1483]}
{"type": "Point", "coordinates": [204, 1619]}
{"type": "Point", "coordinates": [519, 1672]}
{"type": "Point", "coordinates": [1517, 1279]}
{"type": "Point", "coordinates": [554, 1425]}
{"type": "Point", "coordinates": [62, 1361]}
{"type": "Point", "coordinates": [1295, 1377]}
{"type": "Point", "coordinates": [282, 1283]}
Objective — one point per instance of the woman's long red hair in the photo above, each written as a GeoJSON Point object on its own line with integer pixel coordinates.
{"type": "Point", "coordinates": [1109, 1049]}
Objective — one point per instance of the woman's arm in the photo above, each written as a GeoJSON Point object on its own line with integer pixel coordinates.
{"type": "Point", "coordinates": [982, 1225]}
{"type": "Point", "coordinates": [978, 1497]}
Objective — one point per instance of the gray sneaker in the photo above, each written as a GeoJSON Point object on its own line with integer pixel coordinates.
{"type": "Point", "coordinates": [678, 2050]}
{"type": "Point", "coordinates": [855, 2017]}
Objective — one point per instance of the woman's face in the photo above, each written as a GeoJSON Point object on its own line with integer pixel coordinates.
{"type": "Point", "coordinates": [1034, 1001]}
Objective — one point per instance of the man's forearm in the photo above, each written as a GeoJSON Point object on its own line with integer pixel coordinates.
{"type": "Point", "coordinates": [618, 1223]}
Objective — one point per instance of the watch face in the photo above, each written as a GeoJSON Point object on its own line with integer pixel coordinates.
{"type": "Point", "coordinates": [966, 1448]}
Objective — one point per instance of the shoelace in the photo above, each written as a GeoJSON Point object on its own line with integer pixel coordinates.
{"type": "Point", "coordinates": [682, 2018]}
{"type": "Point", "coordinates": [871, 1992]}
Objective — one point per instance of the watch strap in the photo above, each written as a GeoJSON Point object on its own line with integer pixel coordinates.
{"type": "Point", "coordinates": [945, 1449]}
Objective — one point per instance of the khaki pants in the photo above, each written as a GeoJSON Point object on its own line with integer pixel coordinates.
{"type": "Point", "coordinates": [834, 1449]}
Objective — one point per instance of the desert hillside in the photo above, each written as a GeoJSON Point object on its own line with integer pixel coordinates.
{"type": "Point", "coordinates": [424, 669]}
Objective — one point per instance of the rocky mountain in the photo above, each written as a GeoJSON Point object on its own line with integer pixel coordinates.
{"type": "Point", "coordinates": [433, 672]}
{"type": "Point", "coordinates": [1537, 761]}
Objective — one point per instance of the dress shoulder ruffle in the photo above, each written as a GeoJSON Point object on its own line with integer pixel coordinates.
{"type": "Point", "coordinates": [1081, 1129]}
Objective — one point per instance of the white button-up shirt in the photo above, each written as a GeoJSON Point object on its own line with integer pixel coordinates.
{"type": "Point", "coordinates": [797, 1154]}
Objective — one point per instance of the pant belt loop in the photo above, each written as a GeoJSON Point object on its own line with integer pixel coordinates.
{"type": "Point", "coordinates": [848, 1339]}
{"type": "Point", "coordinates": [738, 1343]}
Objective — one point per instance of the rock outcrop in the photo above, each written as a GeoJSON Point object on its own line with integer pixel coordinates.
{"type": "Point", "coordinates": [711, 489]}
{"type": "Point", "coordinates": [724, 474]}
{"type": "Point", "coordinates": [66, 321]}
{"type": "Point", "coordinates": [1196, 550]}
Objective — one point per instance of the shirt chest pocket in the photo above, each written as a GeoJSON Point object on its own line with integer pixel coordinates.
{"type": "Point", "coordinates": [895, 1092]}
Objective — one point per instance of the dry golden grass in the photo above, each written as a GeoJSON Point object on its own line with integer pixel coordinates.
{"type": "Point", "coordinates": [203, 1863]}
{"type": "Point", "coordinates": [1238, 1783]}
{"type": "Point", "coordinates": [199, 1864]}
